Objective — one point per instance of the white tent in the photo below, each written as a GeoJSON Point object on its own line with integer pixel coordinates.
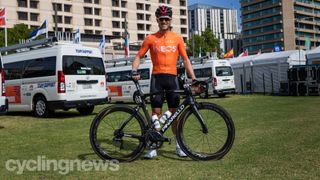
{"type": "Point", "coordinates": [313, 56]}
{"type": "Point", "coordinates": [265, 72]}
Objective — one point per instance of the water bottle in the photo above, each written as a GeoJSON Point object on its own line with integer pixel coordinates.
{"type": "Point", "coordinates": [165, 117]}
{"type": "Point", "coordinates": [155, 121]}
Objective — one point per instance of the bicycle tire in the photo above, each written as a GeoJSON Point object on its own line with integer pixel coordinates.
{"type": "Point", "coordinates": [102, 138]}
{"type": "Point", "coordinates": [194, 146]}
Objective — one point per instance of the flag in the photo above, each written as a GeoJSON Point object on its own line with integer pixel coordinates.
{"type": "Point", "coordinates": [77, 36]}
{"type": "Point", "coordinates": [102, 42]}
{"type": "Point", "coordinates": [229, 54]}
{"type": "Point", "coordinates": [126, 45]}
{"type": "Point", "coordinates": [245, 53]}
{"type": "Point", "coordinates": [2, 17]}
{"type": "Point", "coordinates": [43, 29]}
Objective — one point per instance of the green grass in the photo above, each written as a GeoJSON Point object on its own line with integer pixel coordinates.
{"type": "Point", "coordinates": [276, 138]}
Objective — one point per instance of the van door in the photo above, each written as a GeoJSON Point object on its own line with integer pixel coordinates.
{"type": "Point", "coordinates": [84, 78]}
{"type": "Point", "coordinates": [224, 78]}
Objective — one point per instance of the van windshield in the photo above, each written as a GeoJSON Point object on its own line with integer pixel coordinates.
{"type": "Point", "coordinates": [224, 71]}
{"type": "Point", "coordinates": [78, 65]}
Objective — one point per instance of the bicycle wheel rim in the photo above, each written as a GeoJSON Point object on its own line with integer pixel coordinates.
{"type": "Point", "coordinates": [103, 132]}
{"type": "Point", "coordinates": [213, 145]}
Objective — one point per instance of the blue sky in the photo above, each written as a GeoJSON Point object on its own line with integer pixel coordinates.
{"type": "Point", "coordinates": [220, 3]}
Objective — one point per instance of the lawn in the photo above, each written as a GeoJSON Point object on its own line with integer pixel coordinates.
{"type": "Point", "coordinates": [276, 138]}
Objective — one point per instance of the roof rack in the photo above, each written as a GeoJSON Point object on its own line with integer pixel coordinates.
{"type": "Point", "coordinates": [199, 60]}
{"type": "Point", "coordinates": [31, 44]}
{"type": "Point", "coordinates": [123, 61]}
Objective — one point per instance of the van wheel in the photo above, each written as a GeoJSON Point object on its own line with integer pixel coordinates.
{"type": "Point", "coordinates": [40, 107]}
{"type": "Point", "coordinates": [222, 95]}
{"type": "Point", "coordinates": [86, 110]}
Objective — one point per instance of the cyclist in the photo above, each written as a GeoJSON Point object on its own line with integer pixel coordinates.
{"type": "Point", "coordinates": [165, 47]}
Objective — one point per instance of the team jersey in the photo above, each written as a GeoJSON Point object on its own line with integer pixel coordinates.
{"type": "Point", "coordinates": [164, 51]}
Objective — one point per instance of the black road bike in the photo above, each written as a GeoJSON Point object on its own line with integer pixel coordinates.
{"type": "Point", "coordinates": [205, 130]}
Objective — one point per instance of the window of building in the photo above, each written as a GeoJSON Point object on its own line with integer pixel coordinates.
{"type": "Point", "coordinates": [182, 3]}
{"type": "Point", "coordinates": [124, 4]}
{"type": "Point", "coordinates": [22, 15]}
{"type": "Point", "coordinates": [67, 8]}
{"type": "Point", "coordinates": [140, 26]}
{"type": "Point", "coordinates": [140, 37]}
{"type": "Point", "coordinates": [148, 17]}
{"type": "Point", "coordinates": [97, 22]}
{"type": "Point", "coordinates": [115, 3]}
{"type": "Point", "coordinates": [115, 24]}
{"type": "Point", "coordinates": [59, 6]}
{"type": "Point", "coordinates": [87, 10]}
{"type": "Point", "coordinates": [162, 1]}
{"type": "Point", "coordinates": [140, 6]}
{"type": "Point", "coordinates": [183, 30]}
{"type": "Point", "coordinates": [22, 3]}
{"type": "Point", "coordinates": [98, 32]}
{"type": "Point", "coordinates": [67, 19]}
{"type": "Point", "coordinates": [88, 22]}
{"type": "Point", "coordinates": [148, 27]}
{"type": "Point", "coordinates": [182, 12]}
{"type": "Point", "coordinates": [87, 1]}
{"type": "Point", "coordinates": [34, 4]}
{"type": "Point", "coordinates": [97, 1]}
{"type": "Point", "coordinates": [123, 14]}
{"type": "Point", "coordinates": [183, 21]}
{"type": "Point", "coordinates": [148, 7]}
{"type": "Point", "coordinates": [97, 11]}
{"type": "Point", "coordinates": [86, 31]}
{"type": "Point", "coordinates": [67, 30]}
{"type": "Point", "coordinates": [34, 16]}
{"type": "Point", "coordinates": [140, 16]}
{"type": "Point", "coordinates": [59, 19]}
{"type": "Point", "coordinates": [115, 33]}
{"type": "Point", "coordinates": [115, 13]}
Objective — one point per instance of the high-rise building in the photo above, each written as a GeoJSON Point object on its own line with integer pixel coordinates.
{"type": "Point", "coordinates": [272, 25]}
{"type": "Point", "coordinates": [222, 21]}
{"type": "Point", "coordinates": [97, 17]}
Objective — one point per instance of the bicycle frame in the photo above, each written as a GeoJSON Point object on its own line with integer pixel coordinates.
{"type": "Point", "coordinates": [189, 101]}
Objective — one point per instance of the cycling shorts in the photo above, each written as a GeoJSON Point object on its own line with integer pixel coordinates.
{"type": "Point", "coordinates": [161, 82]}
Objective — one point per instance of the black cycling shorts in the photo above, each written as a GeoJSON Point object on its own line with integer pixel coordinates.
{"type": "Point", "coordinates": [161, 82]}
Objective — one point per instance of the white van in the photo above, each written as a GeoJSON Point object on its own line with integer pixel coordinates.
{"type": "Point", "coordinates": [121, 89]}
{"type": "Point", "coordinates": [3, 99]}
{"type": "Point", "coordinates": [55, 76]}
{"type": "Point", "coordinates": [218, 74]}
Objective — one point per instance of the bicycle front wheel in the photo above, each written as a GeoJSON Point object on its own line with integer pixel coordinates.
{"type": "Point", "coordinates": [117, 132]}
{"type": "Point", "coordinates": [212, 145]}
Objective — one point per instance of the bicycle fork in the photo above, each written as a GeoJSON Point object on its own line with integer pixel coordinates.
{"type": "Point", "coordinates": [199, 117]}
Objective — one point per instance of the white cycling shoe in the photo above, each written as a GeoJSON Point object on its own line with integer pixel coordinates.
{"type": "Point", "coordinates": [180, 153]}
{"type": "Point", "coordinates": [151, 154]}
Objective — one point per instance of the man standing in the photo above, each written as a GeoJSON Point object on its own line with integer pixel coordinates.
{"type": "Point", "coordinates": [165, 47]}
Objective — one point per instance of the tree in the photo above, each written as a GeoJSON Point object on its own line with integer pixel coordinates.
{"type": "Point", "coordinates": [19, 31]}
{"type": "Point", "coordinates": [207, 42]}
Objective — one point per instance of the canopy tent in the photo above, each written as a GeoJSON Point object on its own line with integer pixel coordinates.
{"type": "Point", "coordinates": [313, 56]}
{"type": "Point", "coordinates": [265, 72]}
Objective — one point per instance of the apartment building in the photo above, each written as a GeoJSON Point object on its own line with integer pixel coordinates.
{"type": "Point", "coordinates": [288, 24]}
{"type": "Point", "coordinates": [222, 21]}
{"type": "Point", "coordinates": [97, 17]}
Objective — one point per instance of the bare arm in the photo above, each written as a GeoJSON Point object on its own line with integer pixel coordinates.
{"type": "Point", "coordinates": [136, 63]}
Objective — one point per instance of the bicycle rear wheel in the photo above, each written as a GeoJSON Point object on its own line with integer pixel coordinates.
{"type": "Point", "coordinates": [206, 146]}
{"type": "Point", "coordinates": [117, 132]}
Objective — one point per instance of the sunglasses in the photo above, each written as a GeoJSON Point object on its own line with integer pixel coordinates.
{"type": "Point", "coordinates": [164, 19]}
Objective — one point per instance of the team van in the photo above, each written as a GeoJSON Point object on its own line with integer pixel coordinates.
{"type": "Point", "coordinates": [3, 99]}
{"type": "Point", "coordinates": [54, 76]}
{"type": "Point", "coordinates": [218, 74]}
{"type": "Point", "coordinates": [120, 87]}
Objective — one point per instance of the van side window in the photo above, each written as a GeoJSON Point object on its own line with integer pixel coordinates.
{"type": "Point", "coordinates": [122, 75]}
{"type": "Point", "coordinates": [224, 71]}
{"type": "Point", "coordinates": [40, 67]}
{"type": "Point", "coordinates": [78, 65]}
{"type": "Point", "coordinates": [13, 70]}
{"type": "Point", "coordinates": [202, 73]}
